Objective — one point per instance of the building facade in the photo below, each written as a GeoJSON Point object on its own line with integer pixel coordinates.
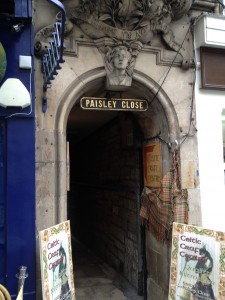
{"type": "Point", "coordinates": [95, 164]}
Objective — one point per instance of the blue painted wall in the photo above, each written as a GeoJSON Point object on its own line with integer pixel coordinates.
{"type": "Point", "coordinates": [2, 202]}
{"type": "Point", "coordinates": [17, 195]}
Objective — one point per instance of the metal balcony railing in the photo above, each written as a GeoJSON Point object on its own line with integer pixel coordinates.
{"type": "Point", "coordinates": [54, 55]}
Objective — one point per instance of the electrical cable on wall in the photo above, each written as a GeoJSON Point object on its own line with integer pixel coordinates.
{"type": "Point", "coordinates": [193, 87]}
{"type": "Point", "coordinates": [30, 91]}
{"type": "Point", "coordinates": [191, 112]}
{"type": "Point", "coordinates": [177, 52]}
{"type": "Point", "coordinates": [157, 137]}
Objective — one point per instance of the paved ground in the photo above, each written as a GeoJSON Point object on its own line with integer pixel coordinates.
{"type": "Point", "coordinates": [95, 280]}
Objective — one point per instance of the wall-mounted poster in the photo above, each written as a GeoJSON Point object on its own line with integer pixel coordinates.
{"type": "Point", "coordinates": [152, 165]}
{"type": "Point", "coordinates": [56, 263]}
{"type": "Point", "coordinates": [197, 264]}
{"type": "Point", "coordinates": [2, 62]}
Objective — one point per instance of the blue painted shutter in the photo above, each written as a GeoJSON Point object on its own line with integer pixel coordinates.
{"type": "Point", "coordinates": [23, 8]}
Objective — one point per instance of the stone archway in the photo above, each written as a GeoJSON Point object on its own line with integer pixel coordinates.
{"type": "Point", "coordinates": [71, 95]}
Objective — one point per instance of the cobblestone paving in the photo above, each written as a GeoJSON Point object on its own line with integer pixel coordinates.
{"type": "Point", "coordinates": [95, 280]}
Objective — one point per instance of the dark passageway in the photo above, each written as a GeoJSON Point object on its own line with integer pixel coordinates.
{"type": "Point", "coordinates": [103, 205]}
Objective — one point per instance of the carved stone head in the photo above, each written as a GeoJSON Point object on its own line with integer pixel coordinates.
{"type": "Point", "coordinates": [117, 62]}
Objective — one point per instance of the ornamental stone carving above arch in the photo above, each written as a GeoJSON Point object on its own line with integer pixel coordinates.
{"type": "Point", "coordinates": [129, 20]}
{"type": "Point", "coordinates": [120, 29]}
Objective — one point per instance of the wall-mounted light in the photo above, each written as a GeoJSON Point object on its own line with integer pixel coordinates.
{"type": "Point", "coordinates": [13, 93]}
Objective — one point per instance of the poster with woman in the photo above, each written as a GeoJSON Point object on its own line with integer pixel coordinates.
{"type": "Point", "coordinates": [197, 264]}
{"type": "Point", "coordinates": [56, 263]}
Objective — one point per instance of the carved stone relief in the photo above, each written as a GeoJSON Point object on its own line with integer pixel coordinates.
{"type": "Point", "coordinates": [129, 20]}
{"type": "Point", "coordinates": [121, 28]}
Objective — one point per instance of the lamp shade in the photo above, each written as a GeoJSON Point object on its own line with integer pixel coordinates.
{"type": "Point", "coordinates": [13, 93]}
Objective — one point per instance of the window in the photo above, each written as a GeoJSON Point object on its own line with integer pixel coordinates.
{"type": "Point", "coordinates": [213, 67]}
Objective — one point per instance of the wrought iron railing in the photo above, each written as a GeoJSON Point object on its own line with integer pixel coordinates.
{"type": "Point", "coordinates": [54, 56]}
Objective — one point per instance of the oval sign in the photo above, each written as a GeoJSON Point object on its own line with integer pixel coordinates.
{"type": "Point", "coordinates": [3, 62]}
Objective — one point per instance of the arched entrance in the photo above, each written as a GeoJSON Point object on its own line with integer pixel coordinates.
{"type": "Point", "coordinates": [107, 169]}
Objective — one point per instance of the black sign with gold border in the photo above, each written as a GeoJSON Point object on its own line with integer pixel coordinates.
{"type": "Point", "coordinates": [92, 103]}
